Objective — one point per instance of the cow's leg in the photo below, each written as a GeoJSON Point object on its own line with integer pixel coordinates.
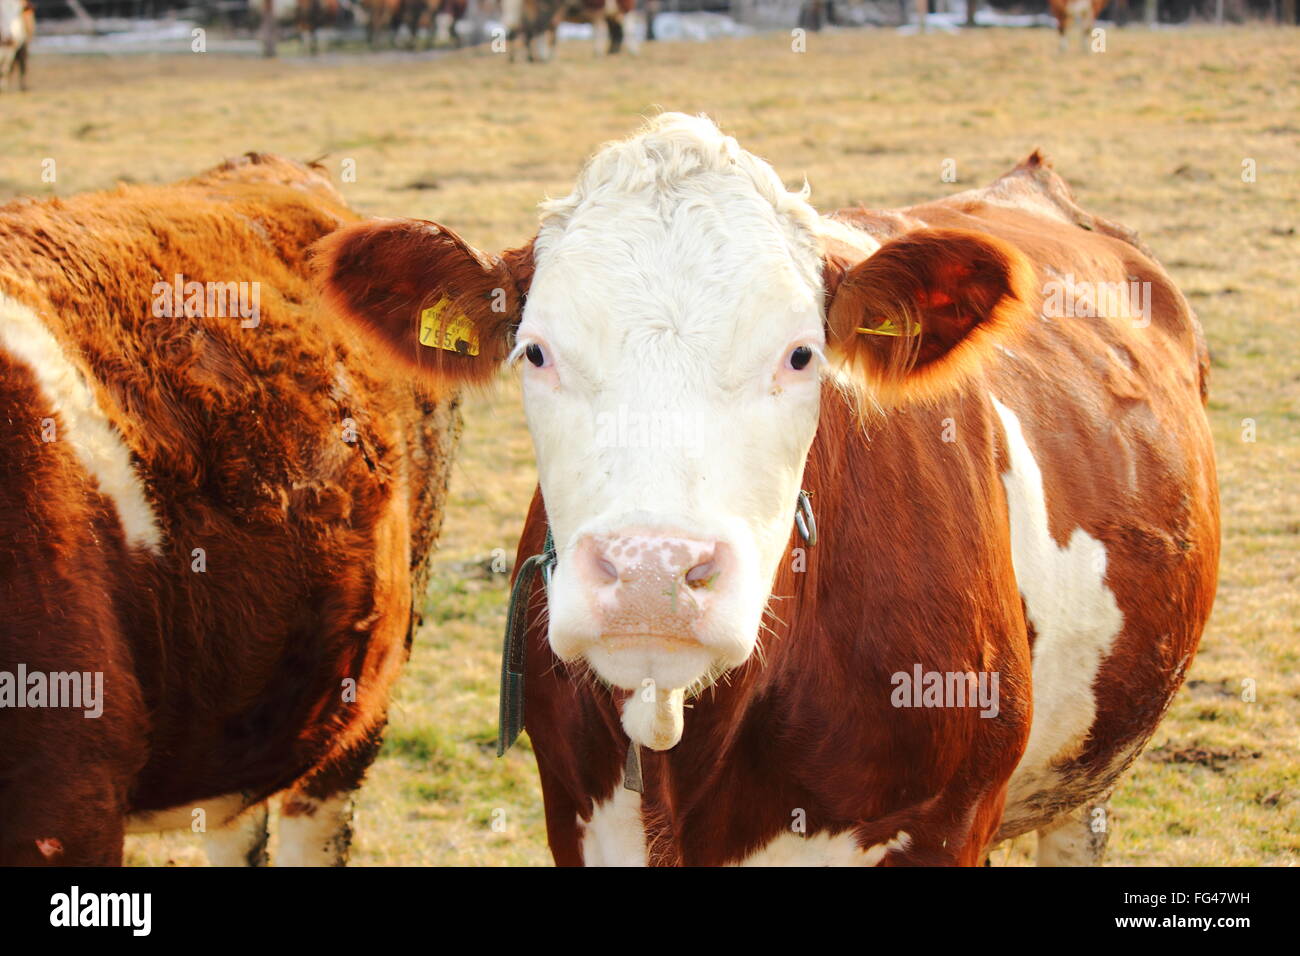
{"type": "Point", "coordinates": [614, 24]}
{"type": "Point", "coordinates": [241, 842]}
{"type": "Point", "coordinates": [20, 60]}
{"type": "Point", "coordinates": [1076, 839]}
{"type": "Point", "coordinates": [315, 831]}
{"type": "Point", "coordinates": [632, 31]}
{"type": "Point", "coordinates": [316, 813]}
{"type": "Point", "coordinates": [444, 30]}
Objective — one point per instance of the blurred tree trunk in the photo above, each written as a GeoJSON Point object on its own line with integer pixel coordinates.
{"type": "Point", "coordinates": [268, 28]}
{"type": "Point", "coordinates": [1288, 12]}
{"type": "Point", "coordinates": [971, 7]}
{"type": "Point", "coordinates": [1150, 12]}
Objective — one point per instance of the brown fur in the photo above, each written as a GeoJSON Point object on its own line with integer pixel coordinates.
{"type": "Point", "coordinates": [383, 274]}
{"type": "Point", "coordinates": [229, 680]}
{"type": "Point", "coordinates": [1065, 19]}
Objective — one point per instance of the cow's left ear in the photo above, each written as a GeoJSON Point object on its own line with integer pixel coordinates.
{"type": "Point", "coordinates": [920, 312]}
{"type": "Point", "coordinates": [444, 310]}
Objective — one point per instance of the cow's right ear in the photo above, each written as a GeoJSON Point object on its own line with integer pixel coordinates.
{"type": "Point", "coordinates": [442, 308]}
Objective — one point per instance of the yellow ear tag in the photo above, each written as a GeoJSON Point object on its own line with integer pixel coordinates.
{"type": "Point", "coordinates": [455, 333]}
{"type": "Point", "coordinates": [889, 328]}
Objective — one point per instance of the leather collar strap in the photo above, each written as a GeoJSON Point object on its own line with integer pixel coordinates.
{"type": "Point", "coordinates": [511, 715]}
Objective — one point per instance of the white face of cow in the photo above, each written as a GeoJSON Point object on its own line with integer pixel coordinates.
{"type": "Point", "coordinates": [671, 348]}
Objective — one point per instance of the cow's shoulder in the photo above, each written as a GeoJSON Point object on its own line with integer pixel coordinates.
{"type": "Point", "coordinates": [1034, 187]}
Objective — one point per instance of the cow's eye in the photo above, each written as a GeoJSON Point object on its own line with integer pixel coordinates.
{"type": "Point", "coordinates": [535, 354]}
{"type": "Point", "coordinates": [800, 358]}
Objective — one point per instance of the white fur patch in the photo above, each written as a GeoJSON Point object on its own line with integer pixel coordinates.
{"type": "Point", "coordinates": [1071, 843]}
{"type": "Point", "coordinates": [1074, 614]}
{"type": "Point", "coordinates": [82, 423]}
{"type": "Point", "coordinates": [615, 835]}
{"type": "Point", "coordinates": [318, 838]}
{"type": "Point", "coordinates": [833, 229]}
{"type": "Point", "coordinates": [239, 842]}
{"type": "Point", "coordinates": [824, 849]}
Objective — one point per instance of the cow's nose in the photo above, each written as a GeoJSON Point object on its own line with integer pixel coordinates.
{"type": "Point", "coordinates": [643, 579]}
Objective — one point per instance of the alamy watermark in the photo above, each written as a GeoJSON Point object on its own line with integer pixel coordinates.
{"type": "Point", "coordinates": [1069, 298]}
{"type": "Point", "coordinates": [922, 688]}
{"type": "Point", "coordinates": [217, 300]}
{"type": "Point", "coordinates": [59, 689]}
{"type": "Point", "coordinates": [663, 430]}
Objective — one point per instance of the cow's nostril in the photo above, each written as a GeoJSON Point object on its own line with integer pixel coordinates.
{"type": "Point", "coordinates": [702, 575]}
{"type": "Point", "coordinates": [607, 568]}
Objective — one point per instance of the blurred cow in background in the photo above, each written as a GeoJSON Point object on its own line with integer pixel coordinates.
{"type": "Point", "coordinates": [310, 16]}
{"type": "Point", "coordinates": [435, 20]}
{"type": "Point", "coordinates": [17, 27]}
{"type": "Point", "coordinates": [381, 15]}
{"type": "Point", "coordinates": [1076, 16]}
{"type": "Point", "coordinates": [532, 18]}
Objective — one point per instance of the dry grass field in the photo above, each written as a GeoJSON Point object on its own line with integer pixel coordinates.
{"type": "Point", "coordinates": [1153, 133]}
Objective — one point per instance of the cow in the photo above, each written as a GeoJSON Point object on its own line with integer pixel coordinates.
{"type": "Point", "coordinates": [1076, 16]}
{"type": "Point", "coordinates": [435, 20]}
{"type": "Point", "coordinates": [310, 16]}
{"type": "Point", "coordinates": [526, 20]}
{"type": "Point", "coordinates": [17, 28]}
{"type": "Point", "coordinates": [383, 15]}
{"type": "Point", "coordinates": [987, 413]}
{"type": "Point", "coordinates": [216, 518]}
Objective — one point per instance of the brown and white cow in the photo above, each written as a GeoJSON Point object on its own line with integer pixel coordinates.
{"type": "Point", "coordinates": [996, 403]}
{"type": "Point", "coordinates": [435, 21]}
{"type": "Point", "coordinates": [17, 28]}
{"type": "Point", "coordinates": [1078, 17]}
{"type": "Point", "coordinates": [310, 16]}
{"type": "Point", "coordinates": [215, 512]}
{"type": "Point", "coordinates": [381, 15]}
{"type": "Point", "coordinates": [526, 20]}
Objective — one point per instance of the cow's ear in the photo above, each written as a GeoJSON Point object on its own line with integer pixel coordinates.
{"type": "Point", "coordinates": [918, 314]}
{"type": "Point", "coordinates": [442, 308]}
